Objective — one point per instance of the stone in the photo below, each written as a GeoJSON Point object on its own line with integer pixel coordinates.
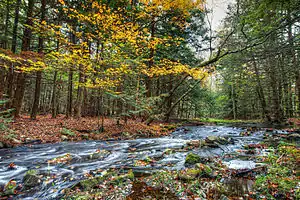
{"type": "Point", "coordinates": [222, 140]}
{"type": "Point", "coordinates": [196, 143]}
{"type": "Point", "coordinates": [192, 159]}
{"type": "Point", "coordinates": [64, 138]}
{"type": "Point", "coordinates": [212, 139]}
{"type": "Point", "coordinates": [1, 145]}
{"type": "Point", "coordinates": [31, 180]}
{"type": "Point", "coordinates": [16, 141]}
{"type": "Point", "coordinates": [189, 174]}
{"type": "Point", "coordinates": [169, 151]}
{"type": "Point", "coordinates": [99, 155]}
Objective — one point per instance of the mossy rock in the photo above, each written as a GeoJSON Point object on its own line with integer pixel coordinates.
{"type": "Point", "coordinates": [122, 178]}
{"type": "Point", "coordinates": [31, 180]}
{"type": "Point", "coordinates": [205, 169]}
{"type": "Point", "coordinates": [189, 174]}
{"type": "Point", "coordinates": [169, 151]}
{"type": "Point", "coordinates": [99, 155]}
{"type": "Point", "coordinates": [192, 159]}
{"type": "Point", "coordinates": [89, 184]}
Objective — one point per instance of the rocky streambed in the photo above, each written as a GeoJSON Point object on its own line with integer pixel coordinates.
{"type": "Point", "coordinates": [64, 170]}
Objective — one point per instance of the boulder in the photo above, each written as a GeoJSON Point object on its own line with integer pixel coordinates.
{"type": "Point", "coordinates": [31, 179]}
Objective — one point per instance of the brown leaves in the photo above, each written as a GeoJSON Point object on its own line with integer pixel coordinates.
{"type": "Point", "coordinates": [48, 130]}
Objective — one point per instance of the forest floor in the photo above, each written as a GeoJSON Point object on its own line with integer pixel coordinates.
{"type": "Point", "coordinates": [45, 129]}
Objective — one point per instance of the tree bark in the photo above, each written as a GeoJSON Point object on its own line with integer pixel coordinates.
{"type": "Point", "coordinates": [260, 93]}
{"type": "Point", "coordinates": [70, 84]}
{"type": "Point", "coordinates": [78, 107]}
{"type": "Point", "coordinates": [5, 44]}
{"type": "Point", "coordinates": [38, 80]}
{"type": "Point", "coordinates": [10, 76]}
{"type": "Point", "coordinates": [20, 89]}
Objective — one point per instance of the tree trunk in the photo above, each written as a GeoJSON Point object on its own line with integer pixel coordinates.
{"type": "Point", "coordinates": [54, 94]}
{"type": "Point", "coordinates": [20, 89]}
{"type": "Point", "coordinates": [70, 85]}
{"type": "Point", "coordinates": [5, 44]}
{"type": "Point", "coordinates": [79, 101]}
{"type": "Point", "coordinates": [10, 76]}
{"type": "Point", "coordinates": [70, 95]}
{"type": "Point", "coordinates": [233, 102]}
{"type": "Point", "coordinates": [260, 93]}
{"type": "Point", "coordinates": [151, 61]}
{"type": "Point", "coordinates": [38, 80]}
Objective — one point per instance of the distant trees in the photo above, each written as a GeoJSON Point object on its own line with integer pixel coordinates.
{"type": "Point", "coordinates": [263, 81]}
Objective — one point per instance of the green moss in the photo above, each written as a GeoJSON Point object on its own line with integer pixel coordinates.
{"type": "Point", "coordinates": [189, 174]}
{"type": "Point", "coordinates": [281, 177]}
{"type": "Point", "coordinates": [192, 159]}
{"type": "Point", "coordinates": [68, 132]}
{"type": "Point", "coordinates": [31, 172]}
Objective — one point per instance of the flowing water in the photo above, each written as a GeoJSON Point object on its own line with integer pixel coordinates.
{"type": "Point", "coordinates": [118, 154]}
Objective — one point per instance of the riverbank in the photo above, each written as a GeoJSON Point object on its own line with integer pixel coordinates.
{"type": "Point", "coordinates": [24, 131]}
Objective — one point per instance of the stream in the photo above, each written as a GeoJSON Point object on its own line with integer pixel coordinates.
{"type": "Point", "coordinates": [118, 154]}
